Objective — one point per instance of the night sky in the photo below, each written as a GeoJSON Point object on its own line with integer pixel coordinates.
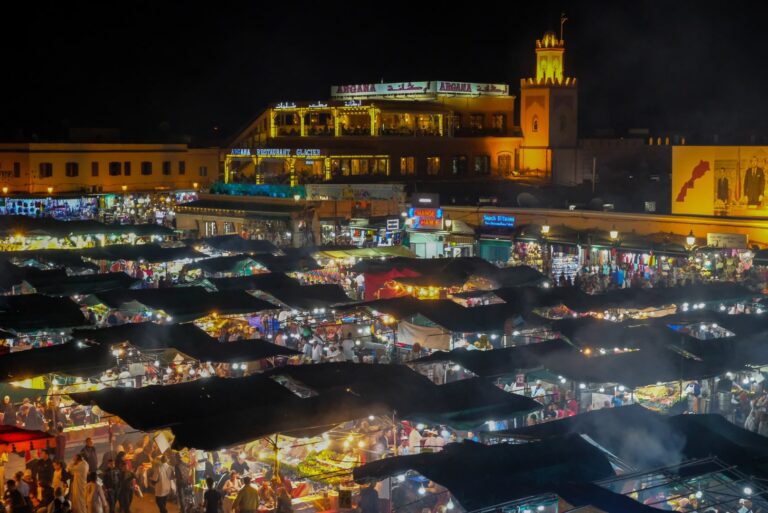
{"type": "Point", "coordinates": [156, 70]}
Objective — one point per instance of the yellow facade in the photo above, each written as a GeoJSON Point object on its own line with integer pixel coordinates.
{"type": "Point", "coordinates": [53, 168]}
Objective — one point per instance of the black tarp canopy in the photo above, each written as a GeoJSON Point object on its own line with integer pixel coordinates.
{"type": "Point", "coordinates": [235, 243]}
{"type": "Point", "coordinates": [57, 285]}
{"type": "Point", "coordinates": [443, 312]}
{"type": "Point", "coordinates": [261, 281]}
{"type": "Point", "coordinates": [187, 303]}
{"type": "Point", "coordinates": [289, 263]}
{"type": "Point", "coordinates": [643, 367]}
{"type": "Point", "coordinates": [185, 338]}
{"type": "Point", "coordinates": [12, 275]}
{"type": "Point", "coordinates": [224, 264]}
{"type": "Point", "coordinates": [34, 312]}
{"type": "Point", "coordinates": [481, 476]}
{"type": "Point", "coordinates": [528, 298]}
{"type": "Point", "coordinates": [67, 258]}
{"type": "Point", "coordinates": [258, 405]}
{"type": "Point", "coordinates": [72, 358]}
{"type": "Point", "coordinates": [46, 226]}
{"type": "Point", "coordinates": [152, 253]}
{"type": "Point", "coordinates": [499, 362]}
{"type": "Point", "coordinates": [647, 440]}
{"type": "Point", "coordinates": [452, 271]}
{"type": "Point", "coordinates": [308, 297]}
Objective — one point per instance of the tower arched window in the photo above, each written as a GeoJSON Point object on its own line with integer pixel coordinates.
{"type": "Point", "coordinates": [535, 124]}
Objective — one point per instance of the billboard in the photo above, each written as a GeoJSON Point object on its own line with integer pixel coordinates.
{"type": "Point", "coordinates": [720, 180]}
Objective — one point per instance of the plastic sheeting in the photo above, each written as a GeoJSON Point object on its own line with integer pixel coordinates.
{"type": "Point", "coordinates": [432, 337]}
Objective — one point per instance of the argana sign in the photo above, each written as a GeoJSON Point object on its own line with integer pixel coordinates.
{"type": "Point", "coordinates": [433, 88]}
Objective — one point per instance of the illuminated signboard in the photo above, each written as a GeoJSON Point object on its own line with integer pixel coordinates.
{"type": "Point", "coordinates": [498, 221]}
{"type": "Point", "coordinates": [286, 152]}
{"type": "Point", "coordinates": [471, 89]}
{"type": "Point", "coordinates": [426, 218]}
{"type": "Point", "coordinates": [433, 88]}
{"type": "Point", "coordinates": [241, 151]}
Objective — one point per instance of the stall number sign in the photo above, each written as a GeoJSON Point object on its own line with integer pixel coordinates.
{"type": "Point", "coordinates": [498, 220]}
{"type": "Point", "coordinates": [427, 218]}
{"type": "Point", "coordinates": [393, 225]}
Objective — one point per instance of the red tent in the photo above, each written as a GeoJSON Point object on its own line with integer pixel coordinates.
{"type": "Point", "coordinates": [14, 439]}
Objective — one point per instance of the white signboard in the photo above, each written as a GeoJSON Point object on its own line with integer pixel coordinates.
{"type": "Point", "coordinates": [727, 240]}
{"type": "Point", "coordinates": [471, 89]}
{"type": "Point", "coordinates": [434, 88]}
{"type": "Point", "coordinates": [394, 89]}
{"type": "Point", "coordinates": [393, 225]}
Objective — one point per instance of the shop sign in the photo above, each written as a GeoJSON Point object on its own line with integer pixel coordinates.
{"type": "Point", "coordinates": [425, 200]}
{"type": "Point", "coordinates": [393, 89]}
{"type": "Point", "coordinates": [472, 89]}
{"type": "Point", "coordinates": [427, 218]}
{"type": "Point", "coordinates": [353, 103]}
{"type": "Point", "coordinates": [498, 221]}
{"type": "Point", "coordinates": [393, 225]}
{"type": "Point", "coordinates": [286, 105]}
{"type": "Point", "coordinates": [727, 240]}
{"type": "Point", "coordinates": [318, 105]}
{"type": "Point", "coordinates": [241, 151]}
{"type": "Point", "coordinates": [286, 152]}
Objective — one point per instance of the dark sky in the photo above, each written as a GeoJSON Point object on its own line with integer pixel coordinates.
{"type": "Point", "coordinates": [169, 68]}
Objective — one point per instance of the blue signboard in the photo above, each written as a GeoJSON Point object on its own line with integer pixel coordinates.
{"type": "Point", "coordinates": [498, 220]}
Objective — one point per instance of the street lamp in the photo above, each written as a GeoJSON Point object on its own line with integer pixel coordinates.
{"type": "Point", "coordinates": [448, 223]}
{"type": "Point", "coordinates": [5, 189]}
{"type": "Point", "coordinates": [124, 187]}
{"type": "Point", "coordinates": [614, 233]}
{"type": "Point", "coordinates": [545, 229]}
{"type": "Point", "coordinates": [296, 197]}
{"type": "Point", "coordinates": [50, 190]}
{"type": "Point", "coordinates": [194, 185]}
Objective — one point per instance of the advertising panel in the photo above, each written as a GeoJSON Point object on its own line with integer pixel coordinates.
{"type": "Point", "coordinates": [720, 180]}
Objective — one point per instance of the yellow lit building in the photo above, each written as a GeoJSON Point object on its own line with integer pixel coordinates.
{"type": "Point", "coordinates": [416, 130]}
{"type": "Point", "coordinates": [53, 168]}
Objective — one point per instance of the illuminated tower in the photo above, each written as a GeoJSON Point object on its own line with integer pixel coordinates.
{"type": "Point", "coordinates": [548, 111]}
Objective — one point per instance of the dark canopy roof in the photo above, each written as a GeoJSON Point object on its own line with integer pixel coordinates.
{"type": "Point", "coordinates": [307, 297]}
{"type": "Point", "coordinates": [185, 338]}
{"type": "Point", "coordinates": [451, 271]}
{"type": "Point", "coordinates": [262, 281]}
{"type": "Point", "coordinates": [55, 228]}
{"type": "Point", "coordinates": [290, 263]}
{"type": "Point", "coordinates": [187, 303]}
{"type": "Point", "coordinates": [647, 440]}
{"type": "Point", "coordinates": [53, 257]}
{"type": "Point", "coordinates": [223, 264]}
{"type": "Point", "coordinates": [499, 362]}
{"type": "Point", "coordinates": [57, 285]}
{"type": "Point", "coordinates": [12, 275]}
{"type": "Point", "coordinates": [153, 253]}
{"type": "Point", "coordinates": [32, 312]}
{"type": "Point", "coordinates": [236, 243]}
{"type": "Point", "coordinates": [258, 405]}
{"type": "Point", "coordinates": [72, 358]}
{"type": "Point", "coordinates": [634, 369]}
{"type": "Point", "coordinates": [481, 476]}
{"type": "Point", "coordinates": [14, 439]}
{"type": "Point", "coordinates": [577, 300]}
{"type": "Point", "coordinates": [443, 312]}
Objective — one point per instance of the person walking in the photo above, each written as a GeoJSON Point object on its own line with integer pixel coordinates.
{"type": "Point", "coordinates": [211, 498]}
{"type": "Point", "coordinates": [96, 502]}
{"type": "Point", "coordinates": [79, 471]}
{"type": "Point", "coordinates": [162, 477]}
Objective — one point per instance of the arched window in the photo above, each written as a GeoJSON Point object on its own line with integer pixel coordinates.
{"type": "Point", "coordinates": [535, 124]}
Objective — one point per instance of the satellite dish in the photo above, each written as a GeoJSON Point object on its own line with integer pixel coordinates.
{"type": "Point", "coordinates": [526, 199]}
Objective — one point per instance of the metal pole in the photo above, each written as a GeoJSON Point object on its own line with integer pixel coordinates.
{"type": "Point", "coordinates": [594, 172]}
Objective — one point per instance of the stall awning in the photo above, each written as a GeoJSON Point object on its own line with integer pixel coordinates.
{"type": "Point", "coordinates": [384, 251]}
